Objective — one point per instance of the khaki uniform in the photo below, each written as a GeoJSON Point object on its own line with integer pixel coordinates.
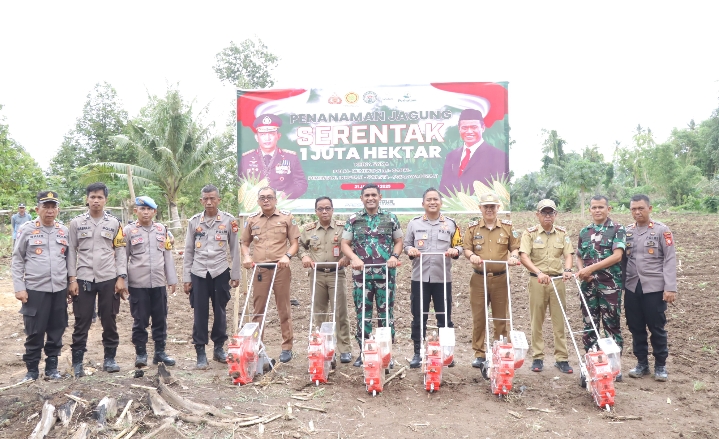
{"type": "Point", "coordinates": [323, 245]}
{"type": "Point", "coordinates": [495, 245]}
{"type": "Point", "coordinates": [547, 251]}
{"type": "Point", "coordinates": [210, 244]}
{"type": "Point", "coordinates": [269, 236]}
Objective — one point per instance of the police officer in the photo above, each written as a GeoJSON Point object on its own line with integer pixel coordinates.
{"type": "Point", "coordinates": [546, 251]}
{"type": "Point", "coordinates": [207, 274]}
{"type": "Point", "coordinates": [651, 283]}
{"type": "Point", "coordinates": [39, 272]}
{"type": "Point", "coordinates": [372, 236]}
{"type": "Point", "coordinates": [269, 232]}
{"type": "Point", "coordinates": [492, 240]}
{"type": "Point", "coordinates": [150, 267]}
{"type": "Point", "coordinates": [97, 268]}
{"type": "Point", "coordinates": [319, 242]}
{"type": "Point", "coordinates": [433, 233]}
{"type": "Point", "coordinates": [279, 167]}
{"type": "Point", "coordinates": [599, 256]}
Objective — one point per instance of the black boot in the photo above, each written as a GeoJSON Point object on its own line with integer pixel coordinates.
{"type": "Point", "coordinates": [51, 372]}
{"type": "Point", "coordinates": [416, 360]}
{"type": "Point", "coordinates": [218, 354]}
{"type": "Point", "coordinates": [109, 365]}
{"type": "Point", "coordinates": [32, 371]}
{"type": "Point", "coordinates": [140, 355]}
{"type": "Point", "coordinates": [161, 356]}
{"type": "Point", "coordinates": [641, 369]}
{"type": "Point", "coordinates": [201, 356]}
{"type": "Point", "coordinates": [77, 368]}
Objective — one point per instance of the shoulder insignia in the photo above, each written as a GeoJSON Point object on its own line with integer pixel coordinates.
{"type": "Point", "coordinates": [631, 226]}
{"type": "Point", "coordinates": [340, 223]}
{"type": "Point", "coordinates": [254, 214]}
{"type": "Point", "coordinates": [561, 229]}
{"type": "Point", "coordinates": [82, 214]}
{"type": "Point", "coordinates": [532, 229]}
{"type": "Point", "coordinates": [507, 222]}
{"type": "Point", "coordinates": [451, 219]}
{"type": "Point", "coordinates": [197, 215]}
{"type": "Point", "coordinates": [417, 217]}
{"type": "Point", "coordinates": [227, 214]}
{"type": "Point", "coordinates": [353, 216]}
{"type": "Point", "coordinates": [249, 152]}
{"type": "Point", "coordinates": [473, 223]}
{"type": "Point", "coordinates": [311, 225]}
{"type": "Point", "coordinates": [287, 151]}
{"type": "Point", "coordinates": [108, 213]}
{"type": "Point", "coordinates": [285, 212]}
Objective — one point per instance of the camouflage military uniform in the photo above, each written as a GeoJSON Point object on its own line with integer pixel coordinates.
{"type": "Point", "coordinates": [372, 241]}
{"type": "Point", "coordinates": [604, 292]}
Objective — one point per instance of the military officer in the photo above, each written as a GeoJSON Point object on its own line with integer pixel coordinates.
{"type": "Point", "coordinates": [150, 268]}
{"type": "Point", "coordinates": [546, 251]}
{"type": "Point", "coordinates": [97, 268]}
{"type": "Point", "coordinates": [269, 232]}
{"type": "Point", "coordinates": [372, 236]}
{"type": "Point", "coordinates": [599, 256]}
{"type": "Point", "coordinates": [431, 233]}
{"type": "Point", "coordinates": [319, 242]}
{"type": "Point", "coordinates": [207, 274]}
{"type": "Point", "coordinates": [39, 272]}
{"type": "Point", "coordinates": [494, 240]}
{"type": "Point", "coordinates": [651, 283]}
{"type": "Point", "coordinates": [279, 167]}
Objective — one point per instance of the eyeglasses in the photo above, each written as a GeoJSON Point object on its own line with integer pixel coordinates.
{"type": "Point", "coordinates": [547, 214]}
{"type": "Point", "coordinates": [263, 198]}
{"type": "Point", "coordinates": [324, 209]}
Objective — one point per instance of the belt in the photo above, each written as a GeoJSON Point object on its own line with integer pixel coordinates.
{"type": "Point", "coordinates": [327, 270]}
{"type": "Point", "coordinates": [267, 266]}
{"type": "Point", "coordinates": [481, 273]}
{"type": "Point", "coordinates": [550, 275]}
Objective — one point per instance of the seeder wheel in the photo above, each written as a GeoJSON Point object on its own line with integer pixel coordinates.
{"type": "Point", "coordinates": [582, 381]}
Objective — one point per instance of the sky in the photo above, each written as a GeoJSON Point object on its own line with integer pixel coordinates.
{"type": "Point", "coordinates": [590, 70]}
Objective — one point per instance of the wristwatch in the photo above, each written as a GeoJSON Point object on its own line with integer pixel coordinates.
{"type": "Point", "coordinates": [288, 255]}
{"type": "Point", "coordinates": [568, 270]}
{"type": "Point", "coordinates": [124, 276]}
{"type": "Point", "coordinates": [395, 255]}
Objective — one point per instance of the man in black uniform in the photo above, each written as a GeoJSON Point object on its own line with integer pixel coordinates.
{"type": "Point", "coordinates": [39, 272]}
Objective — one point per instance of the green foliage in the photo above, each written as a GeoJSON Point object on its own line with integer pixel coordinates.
{"type": "Point", "coordinates": [567, 196]}
{"type": "Point", "coordinates": [553, 148]}
{"type": "Point", "coordinates": [529, 189]}
{"type": "Point", "coordinates": [246, 66]}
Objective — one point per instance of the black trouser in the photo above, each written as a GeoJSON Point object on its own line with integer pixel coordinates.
{"type": "Point", "coordinates": [203, 291]}
{"type": "Point", "coordinates": [146, 303]}
{"type": "Point", "coordinates": [646, 311]}
{"type": "Point", "coordinates": [44, 313]}
{"type": "Point", "coordinates": [108, 306]}
{"type": "Point", "coordinates": [435, 293]}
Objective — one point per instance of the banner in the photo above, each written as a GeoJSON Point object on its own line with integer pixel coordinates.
{"type": "Point", "coordinates": [307, 143]}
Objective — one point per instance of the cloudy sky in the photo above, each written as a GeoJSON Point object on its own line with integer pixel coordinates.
{"type": "Point", "coordinates": [592, 71]}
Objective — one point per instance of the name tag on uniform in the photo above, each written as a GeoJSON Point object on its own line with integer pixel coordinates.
{"type": "Point", "coordinates": [106, 234]}
{"type": "Point", "coordinates": [335, 251]}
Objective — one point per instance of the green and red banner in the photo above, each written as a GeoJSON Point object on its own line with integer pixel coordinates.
{"type": "Point", "coordinates": [307, 143]}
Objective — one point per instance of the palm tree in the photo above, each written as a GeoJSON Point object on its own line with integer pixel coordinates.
{"type": "Point", "coordinates": [173, 149]}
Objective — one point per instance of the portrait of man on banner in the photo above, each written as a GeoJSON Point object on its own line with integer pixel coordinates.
{"type": "Point", "coordinates": [475, 160]}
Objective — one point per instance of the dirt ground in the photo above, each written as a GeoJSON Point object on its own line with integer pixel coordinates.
{"type": "Point", "coordinates": [464, 406]}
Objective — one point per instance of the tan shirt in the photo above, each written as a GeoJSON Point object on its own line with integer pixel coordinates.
{"type": "Point", "coordinates": [650, 257]}
{"type": "Point", "coordinates": [39, 259]}
{"type": "Point", "coordinates": [547, 250]}
{"type": "Point", "coordinates": [269, 235]}
{"type": "Point", "coordinates": [207, 243]}
{"type": "Point", "coordinates": [322, 244]}
{"type": "Point", "coordinates": [492, 245]}
{"type": "Point", "coordinates": [150, 263]}
{"type": "Point", "coordinates": [96, 252]}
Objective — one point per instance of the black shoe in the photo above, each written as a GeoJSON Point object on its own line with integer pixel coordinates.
{"type": "Point", "coordinates": [660, 373]}
{"type": "Point", "coordinates": [32, 371]}
{"type": "Point", "coordinates": [564, 367]}
{"type": "Point", "coordinates": [619, 378]}
{"type": "Point", "coordinates": [218, 354]}
{"type": "Point", "coordinates": [478, 362]}
{"type": "Point", "coordinates": [161, 356]}
{"type": "Point", "coordinates": [416, 362]}
{"type": "Point", "coordinates": [358, 361]}
{"type": "Point", "coordinates": [452, 364]}
{"type": "Point", "coordinates": [109, 365]}
{"type": "Point", "coordinates": [140, 356]}
{"type": "Point", "coordinates": [285, 356]}
{"type": "Point", "coordinates": [201, 356]}
{"type": "Point", "coordinates": [639, 370]}
{"type": "Point", "coordinates": [537, 365]}
{"type": "Point", "coordinates": [294, 302]}
{"type": "Point", "coordinates": [51, 372]}
{"type": "Point", "coordinates": [77, 369]}
{"type": "Point", "coordinates": [485, 370]}
{"type": "Point", "coordinates": [391, 363]}
{"type": "Point", "coordinates": [346, 357]}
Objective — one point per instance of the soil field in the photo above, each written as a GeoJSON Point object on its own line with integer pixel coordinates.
{"type": "Point", "coordinates": [685, 406]}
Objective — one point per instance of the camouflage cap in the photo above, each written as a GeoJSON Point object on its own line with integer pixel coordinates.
{"type": "Point", "coordinates": [489, 198]}
{"type": "Point", "coordinates": [544, 204]}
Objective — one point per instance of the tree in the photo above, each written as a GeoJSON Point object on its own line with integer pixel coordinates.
{"type": "Point", "coordinates": [553, 148]}
{"type": "Point", "coordinates": [248, 65]}
{"type": "Point", "coordinates": [583, 173]}
{"type": "Point", "coordinates": [21, 177]}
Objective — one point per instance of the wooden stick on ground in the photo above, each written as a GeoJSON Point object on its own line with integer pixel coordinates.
{"type": "Point", "coordinates": [137, 386]}
{"type": "Point", "coordinates": [535, 409]}
{"type": "Point", "coordinates": [159, 406]}
{"type": "Point", "coordinates": [47, 421]}
{"type": "Point", "coordinates": [395, 375]}
{"type": "Point", "coordinates": [78, 399]}
{"type": "Point", "coordinates": [124, 412]}
{"type": "Point", "coordinates": [167, 423]}
{"type": "Point", "coordinates": [132, 432]}
{"type": "Point", "coordinates": [306, 407]}
{"type": "Point", "coordinates": [15, 385]}
{"type": "Point", "coordinates": [121, 434]}
{"type": "Point", "coordinates": [82, 432]}
{"type": "Point", "coordinates": [65, 412]}
{"type": "Point", "coordinates": [195, 408]}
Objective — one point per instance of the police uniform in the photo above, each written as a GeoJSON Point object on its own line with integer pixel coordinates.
{"type": "Point", "coordinates": [207, 267]}
{"type": "Point", "coordinates": [495, 245]}
{"type": "Point", "coordinates": [651, 269]}
{"type": "Point", "coordinates": [39, 267]}
{"type": "Point", "coordinates": [430, 236]}
{"type": "Point", "coordinates": [150, 268]}
{"type": "Point", "coordinates": [281, 168]}
{"type": "Point", "coordinates": [547, 251]}
{"type": "Point", "coordinates": [322, 244]}
{"type": "Point", "coordinates": [268, 236]}
{"type": "Point", "coordinates": [97, 257]}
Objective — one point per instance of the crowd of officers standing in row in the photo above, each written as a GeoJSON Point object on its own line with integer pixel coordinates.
{"type": "Point", "coordinates": [95, 257]}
